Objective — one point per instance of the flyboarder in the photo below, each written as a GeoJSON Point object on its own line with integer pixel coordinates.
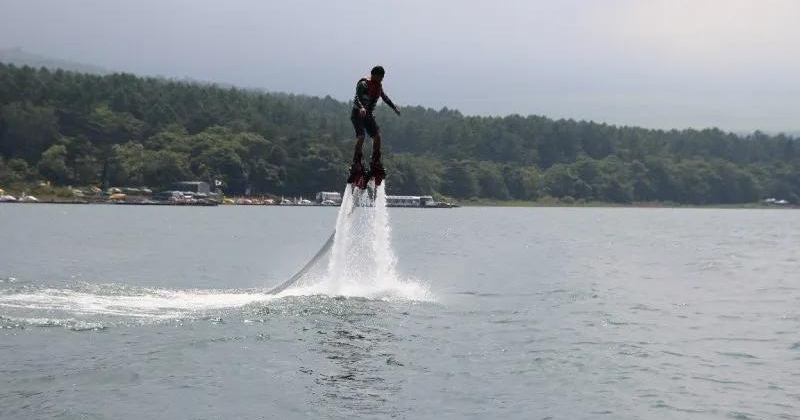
{"type": "Point", "coordinates": [368, 91]}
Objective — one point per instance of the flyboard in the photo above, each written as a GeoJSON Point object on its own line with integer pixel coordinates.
{"type": "Point", "coordinates": [365, 187]}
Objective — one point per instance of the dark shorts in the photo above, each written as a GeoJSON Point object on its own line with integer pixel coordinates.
{"type": "Point", "coordinates": [362, 124]}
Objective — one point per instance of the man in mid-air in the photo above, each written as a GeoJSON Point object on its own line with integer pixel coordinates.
{"type": "Point", "coordinates": [368, 91]}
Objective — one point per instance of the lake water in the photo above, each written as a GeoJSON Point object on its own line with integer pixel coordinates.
{"type": "Point", "coordinates": [126, 312]}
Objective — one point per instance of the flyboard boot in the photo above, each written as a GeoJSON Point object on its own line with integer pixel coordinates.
{"type": "Point", "coordinates": [376, 170]}
{"type": "Point", "coordinates": [358, 175]}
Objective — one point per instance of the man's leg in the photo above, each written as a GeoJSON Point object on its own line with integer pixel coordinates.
{"type": "Point", "coordinates": [357, 152]}
{"type": "Point", "coordinates": [375, 166]}
{"type": "Point", "coordinates": [374, 132]}
{"type": "Point", "coordinates": [357, 168]}
{"type": "Point", "coordinates": [376, 148]}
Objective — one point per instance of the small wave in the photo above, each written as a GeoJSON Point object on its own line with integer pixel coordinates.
{"type": "Point", "coordinates": [737, 355]}
{"type": "Point", "coordinates": [719, 381]}
{"type": "Point", "coordinates": [643, 307]}
{"type": "Point", "coordinates": [610, 321]}
{"type": "Point", "coordinates": [662, 404]}
{"type": "Point", "coordinates": [672, 353]}
{"type": "Point", "coordinates": [480, 294]}
{"type": "Point", "coordinates": [735, 339]}
{"type": "Point", "coordinates": [738, 415]}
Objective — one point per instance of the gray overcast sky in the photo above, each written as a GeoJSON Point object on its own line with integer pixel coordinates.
{"type": "Point", "coordinates": [656, 63]}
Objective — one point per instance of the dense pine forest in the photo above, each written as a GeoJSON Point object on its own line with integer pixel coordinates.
{"type": "Point", "coordinates": [122, 130]}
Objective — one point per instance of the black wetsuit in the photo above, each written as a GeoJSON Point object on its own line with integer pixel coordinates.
{"type": "Point", "coordinates": [367, 94]}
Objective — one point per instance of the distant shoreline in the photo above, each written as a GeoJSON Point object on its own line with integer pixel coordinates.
{"type": "Point", "coordinates": [61, 195]}
{"type": "Point", "coordinates": [467, 203]}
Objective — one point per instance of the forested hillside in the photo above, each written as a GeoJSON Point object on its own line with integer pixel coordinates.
{"type": "Point", "coordinates": [122, 130]}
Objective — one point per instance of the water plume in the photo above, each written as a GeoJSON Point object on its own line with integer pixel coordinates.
{"type": "Point", "coordinates": [362, 261]}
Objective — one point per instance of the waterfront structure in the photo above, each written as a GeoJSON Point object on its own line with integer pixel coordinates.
{"type": "Point", "coordinates": [192, 186]}
{"type": "Point", "coordinates": [329, 197]}
{"type": "Point", "coordinates": [410, 201]}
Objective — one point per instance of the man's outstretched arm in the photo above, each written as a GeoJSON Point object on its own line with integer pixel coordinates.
{"type": "Point", "coordinates": [390, 103]}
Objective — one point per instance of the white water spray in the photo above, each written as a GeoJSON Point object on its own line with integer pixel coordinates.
{"type": "Point", "coordinates": [362, 262]}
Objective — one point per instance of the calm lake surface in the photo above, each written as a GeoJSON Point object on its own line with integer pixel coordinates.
{"type": "Point", "coordinates": [126, 312]}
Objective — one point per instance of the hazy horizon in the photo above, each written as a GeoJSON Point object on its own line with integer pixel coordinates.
{"type": "Point", "coordinates": [660, 64]}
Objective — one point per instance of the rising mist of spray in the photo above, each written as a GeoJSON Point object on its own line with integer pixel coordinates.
{"type": "Point", "coordinates": [362, 261]}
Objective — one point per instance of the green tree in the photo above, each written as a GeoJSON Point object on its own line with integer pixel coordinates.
{"type": "Point", "coordinates": [412, 175]}
{"type": "Point", "coordinates": [27, 130]}
{"type": "Point", "coordinates": [53, 165]}
{"type": "Point", "coordinates": [561, 181]}
{"type": "Point", "coordinates": [490, 179]}
{"type": "Point", "coordinates": [162, 168]}
{"type": "Point", "coordinates": [461, 180]}
{"type": "Point", "coordinates": [16, 170]}
{"type": "Point", "coordinates": [524, 183]}
{"type": "Point", "coordinates": [614, 183]}
{"type": "Point", "coordinates": [319, 168]}
{"type": "Point", "coordinates": [222, 162]}
{"type": "Point", "coordinates": [127, 165]}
